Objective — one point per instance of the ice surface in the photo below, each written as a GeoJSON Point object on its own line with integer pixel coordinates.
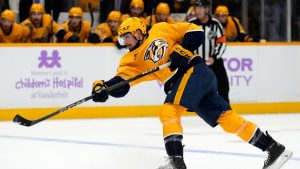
{"type": "Point", "coordinates": [136, 143]}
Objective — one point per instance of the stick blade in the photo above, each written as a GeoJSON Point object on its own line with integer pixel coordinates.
{"type": "Point", "coordinates": [22, 121]}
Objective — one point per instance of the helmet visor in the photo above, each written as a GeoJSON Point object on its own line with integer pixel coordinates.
{"type": "Point", "coordinates": [121, 40]}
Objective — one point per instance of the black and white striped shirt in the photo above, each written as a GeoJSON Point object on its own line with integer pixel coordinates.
{"type": "Point", "coordinates": [214, 44]}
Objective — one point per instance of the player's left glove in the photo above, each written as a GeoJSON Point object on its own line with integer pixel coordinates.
{"type": "Point", "coordinates": [100, 94]}
{"type": "Point", "coordinates": [180, 57]}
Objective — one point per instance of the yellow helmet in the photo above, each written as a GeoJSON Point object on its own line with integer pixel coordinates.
{"type": "Point", "coordinates": [8, 14]}
{"type": "Point", "coordinates": [103, 30]}
{"type": "Point", "coordinates": [137, 3]}
{"type": "Point", "coordinates": [37, 8]}
{"type": "Point", "coordinates": [114, 16]}
{"type": "Point", "coordinates": [131, 25]}
{"type": "Point", "coordinates": [191, 11]}
{"type": "Point", "coordinates": [222, 10]}
{"type": "Point", "coordinates": [124, 17]}
{"type": "Point", "coordinates": [163, 8]}
{"type": "Point", "coordinates": [75, 11]}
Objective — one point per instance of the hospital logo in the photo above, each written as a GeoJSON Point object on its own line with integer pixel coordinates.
{"type": "Point", "coordinates": [156, 50]}
{"type": "Point", "coordinates": [49, 61]}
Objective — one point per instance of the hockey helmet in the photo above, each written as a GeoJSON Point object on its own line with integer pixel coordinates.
{"type": "Point", "coordinates": [137, 3]}
{"type": "Point", "coordinates": [222, 10]}
{"type": "Point", "coordinates": [163, 8]}
{"type": "Point", "coordinates": [114, 16]}
{"type": "Point", "coordinates": [124, 17]}
{"type": "Point", "coordinates": [37, 8]}
{"type": "Point", "coordinates": [131, 25]}
{"type": "Point", "coordinates": [103, 29]}
{"type": "Point", "coordinates": [75, 11]}
{"type": "Point", "coordinates": [8, 14]}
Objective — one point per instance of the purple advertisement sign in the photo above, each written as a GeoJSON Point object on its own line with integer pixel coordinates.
{"type": "Point", "coordinates": [240, 71]}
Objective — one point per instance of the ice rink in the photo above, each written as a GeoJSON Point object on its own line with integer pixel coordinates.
{"type": "Point", "coordinates": [136, 143]}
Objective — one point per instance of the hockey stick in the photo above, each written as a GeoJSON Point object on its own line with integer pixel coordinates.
{"type": "Point", "coordinates": [91, 13]}
{"type": "Point", "coordinates": [25, 122]}
{"type": "Point", "coordinates": [51, 34]}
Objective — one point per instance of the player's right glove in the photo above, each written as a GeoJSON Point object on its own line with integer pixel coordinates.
{"type": "Point", "coordinates": [179, 57]}
{"type": "Point", "coordinates": [100, 94]}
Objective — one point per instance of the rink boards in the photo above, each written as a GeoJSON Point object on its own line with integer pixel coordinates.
{"type": "Point", "coordinates": [40, 78]}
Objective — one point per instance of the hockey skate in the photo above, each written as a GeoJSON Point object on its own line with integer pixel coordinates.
{"type": "Point", "coordinates": [277, 155]}
{"type": "Point", "coordinates": [174, 162]}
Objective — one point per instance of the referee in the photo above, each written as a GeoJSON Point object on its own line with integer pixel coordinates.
{"type": "Point", "coordinates": [214, 45]}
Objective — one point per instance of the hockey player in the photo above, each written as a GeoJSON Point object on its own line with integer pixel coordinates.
{"type": "Point", "coordinates": [39, 27]}
{"type": "Point", "coordinates": [124, 17]}
{"type": "Point", "coordinates": [10, 32]}
{"type": "Point", "coordinates": [193, 86]}
{"type": "Point", "coordinates": [76, 26]}
{"type": "Point", "coordinates": [114, 20]}
{"type": "Point", "coordinates": [103, 34]}
{"type": "Point", "coordinates": [162, 14]}
{"type": "Point", "coordinates": [233, 29]}
{"type": "Point", "coordinates": [137, 9]}
{"type": "Point", "coordinates": [108, 31]}
{"type": "Point", "coordinates": [87, 5]}
{"type": "Point", "coordinates": [214, 45]}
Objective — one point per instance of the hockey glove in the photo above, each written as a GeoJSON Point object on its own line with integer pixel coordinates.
{"type": "Point", "coordinates": [73, 39]}
{"type": "Point", "coordinates": [179, 57]}
{"type": "Point", "coordinates": [100, 94]}
{"type": "Point", "coordinates": [93, 38]}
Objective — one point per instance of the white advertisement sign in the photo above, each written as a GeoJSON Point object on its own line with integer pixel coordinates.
{"type": "Point", "coordinates": [242, 68]}
{"type": "Point", "coordinates": [259, 74]}
{"type": "Point", "coordinates": [55, 76]}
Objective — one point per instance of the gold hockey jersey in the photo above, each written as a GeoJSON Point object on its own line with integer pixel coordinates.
{"type": "Point", "coordinates": [83, 34]}
{"type": "Point", "coordinates": [154, 51]}
{"type": "Point", "coordinates": [15, 36]}
{"type": "Point", "coordinates": [233, 28]}
{"type": "Point", "coordinates": [40, 34]}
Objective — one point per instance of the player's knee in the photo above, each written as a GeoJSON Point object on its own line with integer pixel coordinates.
{"type": "Point", "coordinates": [170, 119]}
{"type": "Point", "coordinates": [168, 113]}
{"type": "Point", "coordinates": [231, 122]}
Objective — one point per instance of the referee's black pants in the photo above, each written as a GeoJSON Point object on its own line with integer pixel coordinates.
{"type": "Point", "coordinates": [221, 74]}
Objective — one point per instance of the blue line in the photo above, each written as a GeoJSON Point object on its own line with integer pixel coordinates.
{"type": "Point", "coordinates": [135, 146]}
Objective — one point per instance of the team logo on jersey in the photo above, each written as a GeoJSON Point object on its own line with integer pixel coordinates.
{"type": "Point", "coordinates": [156, 50]}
